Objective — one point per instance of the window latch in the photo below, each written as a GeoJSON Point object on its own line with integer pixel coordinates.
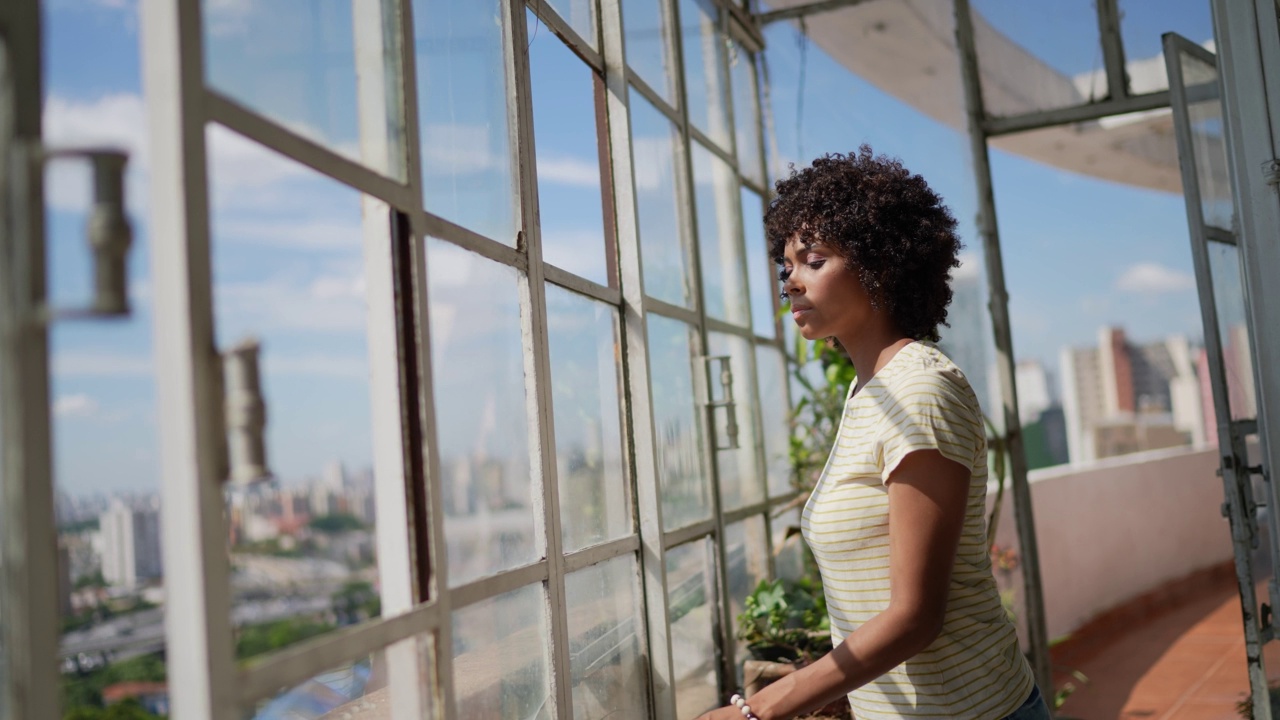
{"type": "Point", "coordinates": [726, 401]}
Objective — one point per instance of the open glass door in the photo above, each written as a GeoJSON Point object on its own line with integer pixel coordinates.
{"type": "Point", "coordinates": [1206, 180]}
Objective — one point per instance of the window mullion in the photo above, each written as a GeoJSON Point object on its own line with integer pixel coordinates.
{"type": "Point", "coordinates": [533, 322]}
{"type": "Point", "coordinates": [198, 629]}
{"type": "Point", "coordinates": [429, 569]}
{"type": "Point", "coordinates": [638, 395]}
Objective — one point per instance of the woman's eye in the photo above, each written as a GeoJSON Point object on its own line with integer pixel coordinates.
{"type": "Point", "coordinates": [816, 264]}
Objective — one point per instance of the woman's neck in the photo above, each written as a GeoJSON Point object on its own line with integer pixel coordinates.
{"type": "Point", "coordinates": [872, 351]}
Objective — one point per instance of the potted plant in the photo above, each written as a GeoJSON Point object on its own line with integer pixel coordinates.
{"type": "Point", "coordinates": [784, 625]}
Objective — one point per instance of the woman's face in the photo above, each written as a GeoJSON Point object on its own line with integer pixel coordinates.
{"type": "Point", "coordinates": [826, 297]}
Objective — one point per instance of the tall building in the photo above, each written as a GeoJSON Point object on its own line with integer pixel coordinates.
{"type": "Point", "coordinates": [1120, 397]}
{"type": "Point", "coordinates": [130, 543]}
{"type": "Point", "coordinates": [967, 338]}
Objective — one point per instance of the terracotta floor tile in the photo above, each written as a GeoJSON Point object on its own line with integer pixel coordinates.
{"type": "Point", "coordinates": [1185, 664]}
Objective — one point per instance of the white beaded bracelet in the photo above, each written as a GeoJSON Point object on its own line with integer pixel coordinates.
{"type": "Point", "coordinates": [741, 703]}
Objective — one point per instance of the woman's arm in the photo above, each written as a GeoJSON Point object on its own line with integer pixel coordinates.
{"type": "Point", "coordinates": [927, 498]}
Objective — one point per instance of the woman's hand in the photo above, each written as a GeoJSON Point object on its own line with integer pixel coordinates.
{"type": "Point", "coordinates": [727, 712]}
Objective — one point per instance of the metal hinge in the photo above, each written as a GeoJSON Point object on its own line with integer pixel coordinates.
{"type": "Point", "coordinates": [1271, 172]}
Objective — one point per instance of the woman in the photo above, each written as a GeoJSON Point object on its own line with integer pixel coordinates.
{"type": "Point", "coordinates": [896, 519]}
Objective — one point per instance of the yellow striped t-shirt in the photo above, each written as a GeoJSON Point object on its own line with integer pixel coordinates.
{"type": "Point", "coordinates": [974, 670]}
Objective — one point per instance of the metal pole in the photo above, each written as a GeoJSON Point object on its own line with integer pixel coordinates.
{"type": "Point", "coordinates": [1113, 49]}
{"type": "Point", "coordinates": [1033, 599]}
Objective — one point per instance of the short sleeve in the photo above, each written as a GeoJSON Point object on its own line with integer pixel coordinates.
{"type": "Point", "coordinates": [930, 410]}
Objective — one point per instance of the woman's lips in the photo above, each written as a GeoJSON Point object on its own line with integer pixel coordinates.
{"type": "Point", "coordinates": [797, 312]}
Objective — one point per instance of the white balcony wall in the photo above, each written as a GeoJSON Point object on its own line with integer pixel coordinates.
{"type": "Point", "coordinates": [1114, 529]}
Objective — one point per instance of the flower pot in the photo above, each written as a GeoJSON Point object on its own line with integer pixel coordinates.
{"type": "Point", "coordinates": [757, 674]}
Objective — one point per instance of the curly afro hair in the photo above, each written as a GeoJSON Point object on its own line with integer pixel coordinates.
{"type": "Point", "coordinates": [890, 228]}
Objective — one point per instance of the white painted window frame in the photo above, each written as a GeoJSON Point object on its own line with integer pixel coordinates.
{"type": "Point", "coordinates": [417, 599]}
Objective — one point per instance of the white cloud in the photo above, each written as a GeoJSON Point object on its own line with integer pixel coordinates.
{"type": "Point", "coordinates": [652, 157]}
{"type": "Point", "coordinates": [75, 406]}
{"type": "Point", "coordinates": [568, 171]}
{"type": "Point", "coordinates": [455, 148]}
{"type": "Point", "coordinates": [328, 304]}
{"type": "Point", "coordinates": [303, 234]}
{"type": "Point", "coordinates": [1153, 279]}
{"type": "Point", "coordinates": [331, 366]}
{"type": "Point", "coordinates": [970, 267]}
{"type": "Point", "coordinates": [93, 363]}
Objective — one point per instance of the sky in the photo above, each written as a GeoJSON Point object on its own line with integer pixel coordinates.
{"type": "Point", "coordinates": [1079, 253]}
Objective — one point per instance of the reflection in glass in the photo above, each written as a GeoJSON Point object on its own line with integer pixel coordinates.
{"type": "Point", "coordinates": [577, 14]}
{"type": "Point", "coordinates": [1050, 56]}
{"type": "Point", "coordinates": [719, 239]}
{"type": "Point", "coordinates": [1205, 112]}
{"type": "Point", "coordinates": [564, 126]}
{"type": "Point", "coordinates": [500, 658]}
{"type": "Point", "coordinates": [704, 62]}
{"type": "Point", "coordinates": [746, 119]}
{"type": "Point", "coordinates": [594, 503]}
{"type": "Point", "coordinates": [288, 271]}
{"type": "Point", "coordinates": [740, 480]}
{"type": "Point", "coordinates": [771, 373]}
{"type": "Point", "coordinates": [663, 237]}
{"type": "Point", "coordinates": [305, 79]}
{"type": "Point", "coordinates": [760, 268]}
{"type": "Point", "coordinates": [685, 493]}
{"type": "Point", "coordinates": [746, 550]}
{"type": "Point", "coordinates": [1233, 331]}
{"type": "Point", "coordinates": [788, 546]}
{"type": "Point", "coordinates": [645, 36]}
{"type": "Point", "coordinates": [468, 174]}
{"type": "Point", "coordinates": [605, 622]}
{"type": "Point", "coordinates": [478, 376]}
{"type": "Point", "coordinates": [689, 581]}
{"type": "Point", "coordinates": [354, 689]}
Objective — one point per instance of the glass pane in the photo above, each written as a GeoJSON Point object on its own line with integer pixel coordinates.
{"type": "Point", "coordinates": [761, 275]}
{"type": "Point", "coordinates": [740, 480]}
{"type": "Point", "coordinates": [564, 126]}
{"type": "Point", "coordinates": [771, 373]}
{"type": "Point", "coordinates": [500, 658]}
{"type": "Point", "coordinates": [1142, 24]}
{"type": "Point", "coordinates": [357, 689]}
{"type": "Point", "coordinates": [704, 62]}
{"type": "Point", "coordinates": [306, 79]}
{"type": "Point", "coordinates": [1237, 353]}
{"type": "Point", "coordinates": [788, 546]}
{"type": "Point", "coordinates": [594, 502]}
{"type": "Point", "coordinates": [478, 376]}
{"type": "Point", "coordinates": [747, 561]}
{"type": "Point", "coordinates": [579, 15]}
{"type": "Point", "coordinates": [288, 277]}
{"type": "Point", "coordinates": [1038, 57]}
{"type": "Point", "coordinates": [663, 237]}
{"type": "Point", "coordinates": [645, 34]}
{"type": "Point", "coordinates": [719, 240]}
{"type": "Point", "coordinates": [693, 623]}
{"type": "Point", "coordinates": [468, 162]}
{"type": "Point", "coordinates": [101, 390]}
{"type": "Point", "coordinates": [605, 621]}
{"type": "Point", "coordinates": [746, 119]}
{"type": "Point", "coordinates": [1204, 109]}
{"type": "Point", "coordinates": [686, 496]}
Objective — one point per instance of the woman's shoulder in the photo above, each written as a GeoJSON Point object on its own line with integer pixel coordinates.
{"type": "Point", "coordinates": [928, 373]}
